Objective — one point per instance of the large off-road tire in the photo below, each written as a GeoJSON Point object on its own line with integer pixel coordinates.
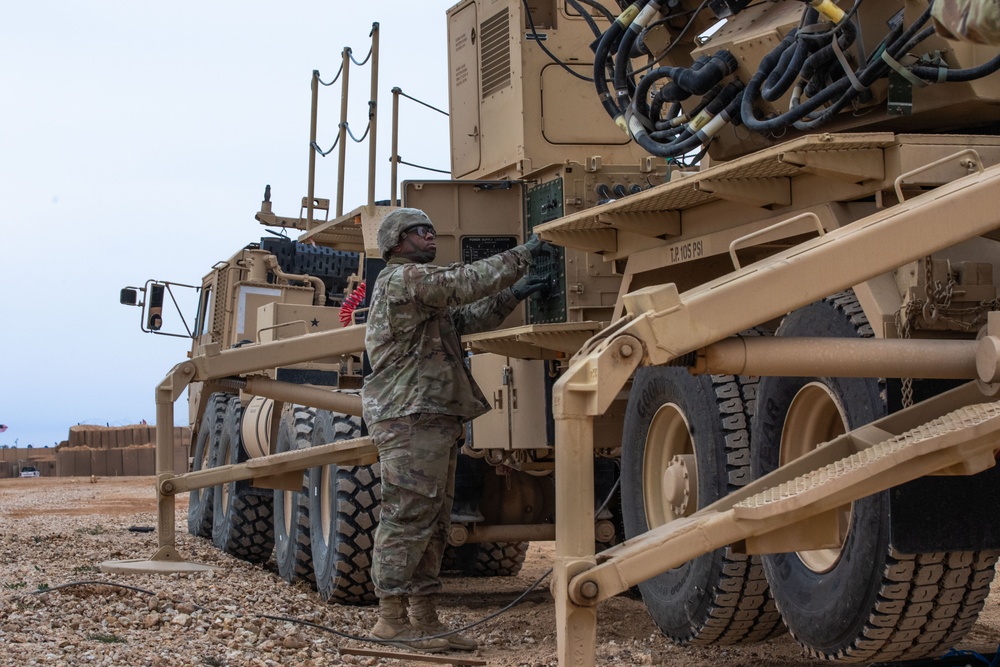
{"type": "Point", "coordinates": [486, 559]}
{"type": "Point", "coordinates": [720, 597]}
{"type": "Point", "coordinates": [201, 501]}
{"type": "Point", "coordinates": [343, 514]}
{"type": "Point", "coordinates": [241, 522]}
{"type": "Point", "coordinates": [292, 549]}
{"type": "Point", "coordinates": [864, 601]}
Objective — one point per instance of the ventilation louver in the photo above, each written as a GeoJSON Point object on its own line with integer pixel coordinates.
{"type": "Point", "coordinates": [495, 46]}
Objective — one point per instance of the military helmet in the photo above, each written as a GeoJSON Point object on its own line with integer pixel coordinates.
{"type": "Point", "coordinates": [397, 222]}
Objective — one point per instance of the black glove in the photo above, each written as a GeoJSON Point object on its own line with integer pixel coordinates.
{"type": "Point", "coordinates": [536, 246]}
{"type": "Point", "coordinates": [528, 285]}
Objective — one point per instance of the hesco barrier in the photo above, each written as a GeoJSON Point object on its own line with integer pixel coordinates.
{"type": "Point", "coordinates": [104, 451]}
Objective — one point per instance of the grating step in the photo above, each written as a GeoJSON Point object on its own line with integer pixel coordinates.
{"type": "Point", "coordinates": [857, 467]}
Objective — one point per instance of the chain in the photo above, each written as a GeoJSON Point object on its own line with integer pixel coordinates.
{"type": "Point", "coordinates": [904, 325]}
{"type": "Point", "coordinates": [936, 307]}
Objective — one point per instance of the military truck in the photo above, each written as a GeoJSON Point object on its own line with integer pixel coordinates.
{"type": "Point", "coordinates": [759, 388]}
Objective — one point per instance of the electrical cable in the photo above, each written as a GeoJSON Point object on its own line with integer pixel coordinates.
{"type": "Point", "coordinates": [585, 15]}
{"type": "Point", "coordinates": [347, 126]}
{"type": "Point", "coordinates": [933, 74]}
{"type": "Point", "coordinates": [676, 40]}
{"type": "Point", "coordinates": [607, 44]}
{"type": "Point", "coordinates": [91, 583]}
{"type": "Point", "coordinates": [334, 80]}
{"type": "Point", "coordinates": [319, 150]}
{"type": "Point", "coordinates": [402, 94]}
{"type": "Point", "coordinates": [469, 626]}
{"type": "Point", "coordinates": [537, 40]}
{"type": "Point", "coordinates": [601, 8]}
{"type": "Point", "coordinates": [419, 166]}
{"type": "Point", "coordinates": [350, 54]}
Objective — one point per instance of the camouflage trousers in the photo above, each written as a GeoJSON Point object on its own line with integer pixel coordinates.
{"type": "Point", "coordinates": [417, 455]}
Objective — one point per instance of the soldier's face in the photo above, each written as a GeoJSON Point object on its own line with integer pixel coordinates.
{"type": "Point", "coordinates": [418, 244]}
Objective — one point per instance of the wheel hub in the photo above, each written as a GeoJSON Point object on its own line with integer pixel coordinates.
{"type": "Point", "coordinates": [680, 484]}
{"type": "Point", "coordinates": [814, 417]}
{"type": "Point", "coordinates": [670, 468]}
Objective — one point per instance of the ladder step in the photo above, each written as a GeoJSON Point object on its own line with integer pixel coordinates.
{"type": "Point", "coordinates": [949, 430]}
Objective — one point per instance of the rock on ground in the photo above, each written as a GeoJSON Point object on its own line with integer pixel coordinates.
{"type": "Point", "coordinates": [54, 531]}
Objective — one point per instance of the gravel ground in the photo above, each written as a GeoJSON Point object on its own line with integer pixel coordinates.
{"type": "Point", "coordinates": [56, 531]}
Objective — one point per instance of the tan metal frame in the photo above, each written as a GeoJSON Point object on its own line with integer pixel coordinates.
{"type": "Point", "coordinates": [214, 366]}
{"type": "Point", "coordinates": [663, 324]}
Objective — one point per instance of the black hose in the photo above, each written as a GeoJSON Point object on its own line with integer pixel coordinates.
{"type": "Point", "coordinates": [586, 16]}
{"type": "Point", "coordinates": [877, 69]}
{"type": "Point", "coordinates": [708, 97]}
{"type": "Point", "coordinates": [666, 121]}
{"type": "Point", "coordinates": [753, 90]}
{"type": "Point", "coordinates": [726, 104]}
{"type": "Point", "coordinates": [688, 79]}
{"type": "Point", "coordinates": [601, 8]}
{"type": "Point", "coordinates": [838, 93]}
{"type": "Point", "coordinates": [825, 55]}
{"type": "Point", "coordinates": [622, 62]}
{"type": "Point", "coordinates": [604, 48]}
{"type": "Point", "coordinates": [957, 75]}
{"type": "Point", "coordinates": [788, 67]}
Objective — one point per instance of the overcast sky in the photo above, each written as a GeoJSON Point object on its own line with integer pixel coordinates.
{"type": "Point", "coordinates": [135, 143]}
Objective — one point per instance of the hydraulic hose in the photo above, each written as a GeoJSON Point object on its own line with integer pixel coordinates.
{"type": "Point", "coordinates": [839, 93]}
{"type": "Point", "coordinates": [788, 67]}
{"type": "Point", "coordinates": [957, 75]}
{"type": "Point", "coordinates": [623, 58]}
{"type": "Point", "coordinates": [688, 79]}
{"type": "Point", "coordinates": [608, 42]}
{"type": "Point", "coordinates": [586, 17]}
{"type": "Point", "coordinates": [673, 120]}
{"type": "Point", "coordinates": [874, 71]}
{"type": "Point", "coordinates": [817, 62]}
{"type": "Point", "coordinates": [699, 130]}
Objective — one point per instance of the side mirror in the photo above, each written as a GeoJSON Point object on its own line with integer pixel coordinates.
{"type": "Point", "coordinates": [151, 299]}
{"type": "Point", "coordinates": [129, 296]}
{"type": "Point", "coordinates": [154, 315]}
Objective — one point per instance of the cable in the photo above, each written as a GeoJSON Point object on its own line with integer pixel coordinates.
{"type": "Point", "coordinates": [440, 635]}
{"type": "Point", "coordinates": [675, 41]}
{"type": "Point", "coordinates": [350, 53]}
{"type": "Point", "coordinates": [91, 583]}
{"type": "Point", "coordinates": [347, 126]}
{"type": "Point", "coordinates": [537, 40]}
{"type": "Point", "coordinates": [601, 8]}
{"type": "Point", "coordinates": [585, 15]}
{"type": "Point", "coordinates": [319, 150]}
{"type": "Point", "coordinates": [933, 74]}
{"type": "Point", "coordinates": [399, 91]}
{"type": "Point", "coordinates": [330, 83]}
{"type": "Point", "coordinates": [609, 41]}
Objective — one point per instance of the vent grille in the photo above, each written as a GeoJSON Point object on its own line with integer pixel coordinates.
{"type": "Point", "coordinates": [495, 45]}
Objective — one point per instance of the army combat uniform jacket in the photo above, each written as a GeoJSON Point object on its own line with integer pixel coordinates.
{"type": "Point", "coordinates": [418, 314]}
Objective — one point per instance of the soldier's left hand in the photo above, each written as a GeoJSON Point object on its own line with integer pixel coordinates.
{"type": "Point", "coordinates": [528, 285]}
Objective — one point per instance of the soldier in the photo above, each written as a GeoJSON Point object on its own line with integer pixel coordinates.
{"type": "Point", "coordinates": [416, 401]}
{"type": "Point", "coordinates": [969, 20]}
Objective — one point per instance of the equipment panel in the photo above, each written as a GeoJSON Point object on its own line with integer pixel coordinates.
{"type": "Point", "coordinates": [545, 203]}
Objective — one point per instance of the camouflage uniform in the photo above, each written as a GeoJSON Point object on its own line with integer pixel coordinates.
{"type": "Point", "coordinates": [970, 20]}
{"type": "Point", "coordinates": [417, 398]}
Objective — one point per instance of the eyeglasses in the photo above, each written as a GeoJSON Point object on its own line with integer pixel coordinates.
{"type": "Point", "coordinates": [421, 230]}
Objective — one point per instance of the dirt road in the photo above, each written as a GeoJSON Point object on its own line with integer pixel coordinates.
{"type": "Point", "coordinates": [57, 531]}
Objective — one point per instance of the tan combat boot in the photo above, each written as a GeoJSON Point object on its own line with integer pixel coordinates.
{"type": "Point", "coordinates": [395, 629]}
{"type": "Point", "coordinates": [424, 619]}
